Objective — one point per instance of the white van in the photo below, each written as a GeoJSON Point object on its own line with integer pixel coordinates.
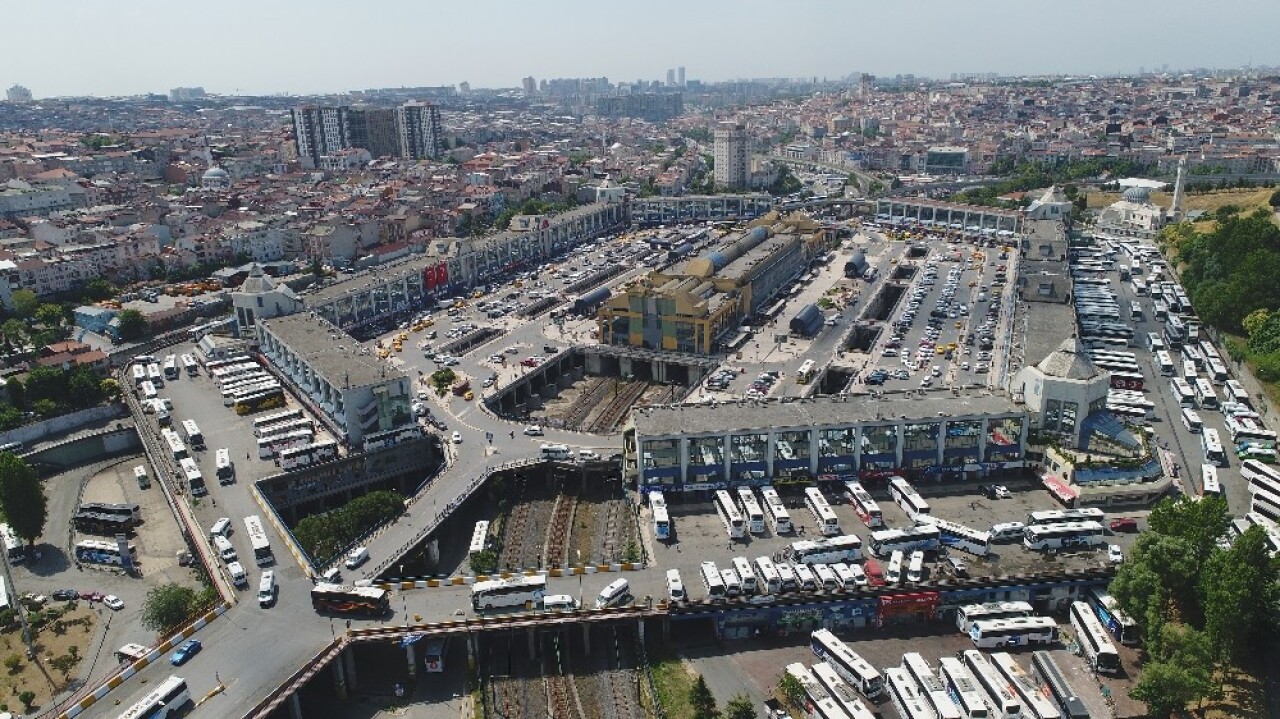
{"type": "Point", "coordinates": [225, 550]}
{"type": "Point", "coordinates": [1007, 532]}
{"type": "Point", "coordinates": [140, 473]}
{"type": "Point", "coordinates": [238, 577]}
{"type": "Point", "coordinates": [786, 577]}
{"type": "Point", "coordinates": [827, 578]}
{"type": "Point", "coordinates": [804, 576]}
{"type": "Point", "coordinates": [732, 584]}
{"type": "Point", "coordinates": [612, 595]}
{"type": "Point", "coordinates": [860, 578]}
{"type": "Point", "coordinates": [559, 603]}
{"type": "Point", "coordinates": [675, 587]}
{"type": "Point", "coordinates": [556, 451]}
{"type": "Point", "coordinates": [844, 575]}
{"type": "Point", "coordinates": [915, 568]}
{"type": "Point", "coordinates": [356, 557]}
{"type": "Point", "coordinates": [267, 588]}
{"type": "Point", "coordinates": [893, 575]}
{"type": "Point", "coordinates": [745, 574]}
{"type": "Point", "coordinates": [767, 576]}
{"type": "Point", "coordinates": [221, 528]}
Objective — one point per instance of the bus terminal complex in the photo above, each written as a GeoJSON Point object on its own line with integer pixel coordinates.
{"type": "Point", "coordinates": [683, 457]}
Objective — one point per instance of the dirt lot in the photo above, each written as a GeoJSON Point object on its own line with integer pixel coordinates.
{"type": "Point", "coordinates": [158, 538]}
{"type": "Point", "coordinates": [61, 644]}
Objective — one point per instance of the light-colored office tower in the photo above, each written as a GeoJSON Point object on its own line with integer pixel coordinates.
{"type": "Point", "coordinates": [731, 156]}
{"type": "Point", "coordinates": [420, 135]}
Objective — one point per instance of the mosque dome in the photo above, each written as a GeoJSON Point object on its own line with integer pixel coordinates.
{"type": "Point", "coordinates": [1140, 195]}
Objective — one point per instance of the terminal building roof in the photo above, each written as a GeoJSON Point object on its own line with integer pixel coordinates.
{"type": "Point", "coordinates": [330, 352]}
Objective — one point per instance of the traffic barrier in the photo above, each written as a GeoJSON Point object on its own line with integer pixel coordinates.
{"type": "Point", "coordinates": [156, 653]}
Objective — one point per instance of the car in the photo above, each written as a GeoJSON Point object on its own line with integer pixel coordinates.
{"type": "Point", "coordinates": [533, 430]}
{"type": "Point", "coordinates": [457, 437]}
{"type": "Point", "coordinates": [89, 596]}
{"type": "Point", "coordinates": [488, 382]}
{"type": "Point", "coordinates": [1001, 491]}
{"type": "Point", "coordinates": [1119, 524]}
{"type": "Point", "coordinates": [65, 595]}
{"type": "Point", "coordinates": [356, 557]}
{"type": "Point", "coordinates": [1115, 554]}
{"type": "Point", "coordinates": [113, 602]}
{"type": "Point", "coordinates": [185, 651]}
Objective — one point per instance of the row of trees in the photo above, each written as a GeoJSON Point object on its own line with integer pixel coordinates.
{"type": "Point", "coordinates": [1202, 609]}
{"type": "Point", "coordinates": [50, 391]}
{"type": "Point", "coordinates": [323, 536]}
{"type": "Point", "coordinates": [35, 322]}
{"type": "Point", "coordinates": [1024, 176]}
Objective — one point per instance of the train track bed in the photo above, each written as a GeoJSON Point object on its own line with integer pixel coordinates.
{"type": "Point", "coordinates": [522, 542]}
{"type": "Point", "coordinates": [606, 679]}
{"type": "Point", "coordinates": [559, 530]}
{"type": "Point", "coordinates": [515, 687]}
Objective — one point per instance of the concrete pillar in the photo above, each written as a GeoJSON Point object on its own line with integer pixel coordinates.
{"type": "Point", "coordinates": [339, 678]}
{"type": "Point", "coordinates": [349, 659]}
{"type": "Point", "coordinates": [295, 707]}
{"type": "Point", "coordinates": [411, 658]}
{"type": "Point", "coordinates": [533, 642]}
{"type": "Point", "coordinates": [586, 638]}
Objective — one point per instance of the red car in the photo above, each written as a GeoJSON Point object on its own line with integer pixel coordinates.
{"type": "Point", "coordinates": [1124, 524]}
{"type": "Point", "coordinates": [91, 596]}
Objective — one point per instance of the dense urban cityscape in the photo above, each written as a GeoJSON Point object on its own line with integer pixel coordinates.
{"type": "Point", "coordinates": [831, 397]}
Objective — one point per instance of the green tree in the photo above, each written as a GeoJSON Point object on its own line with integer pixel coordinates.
{"type": "Point", "coordinates": [22, 498]}
{"type": "Point", "coordinates": [702, 701]}
{"type": "Point", "coordinates": [1275, 200]}
{"type": "Point", "coordinates": [1240, 588]}
{"type": "Point", "coordinates": [484, 562]}
{"type": "Point", "coordinates": [10, 416]}
{"type": "Point", "coordinates": [50, 315]}
{"type": "Point", "coordinates": [1200, 523]}
{"type": "Point", "coordinates": [17, 392]}
{"type": "Point", "coordinates": [110, 389]}
{"type": "Point", "coordinates": [317, 268]}
{"type": "Point", "coordinates": [168, 606]}
{"type": "Point", "coordinates": [1254, 321]}
{"type": "Point", "coordinates": [1165, 687]}
{"type": "Point", "coordinates": [132, 325]}
{"type": "Point", "coordinates": [740, 707]}
{"type": "Point", "coordinates": [24, 303]}
{"type": "Point", "coordinates": [97, 289]}
{"type": "Point", "coordinates": [792, 690]}
{"type": "Point", "coordinates": [15, 333]}
{"type": "Point", "coordinates": [84, 388]}
{"type": "Point", "coordinates": [47, 383]}
{"type": "Point", "coordinates": [46, 408]}
{"type": "Point", "coordinates": [27, 697]}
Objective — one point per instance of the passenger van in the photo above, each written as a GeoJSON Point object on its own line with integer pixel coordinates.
{"type": "Point", "coordinates": [675, 587]}
{"type": "Point", "coordinates": [786, 577]}
{"type": "Point", "coordinates": [556, 451]}
{"type": "Point", "coordinates": [356, 557]}
{"type": "Point", "coordinates": [238, 577]}
{"type": "Point", "coordinates": [225, 550]}
{"type": "Point", "coordinates": [745, 574]}
{"type": "Point", "coordinates": [915, 568]}
{"type": "Point", "coordinates": [1007, 532]}
{"type": "Point", "coordinates": [614, 594]}
{"type": "Point", "coordinates": [559, 603]}
{"type": "Point", "coordinates": [267, 588]}
{"type": "Point", "coordinates": [804, 576]}
{"type": "Point", "coordinates": [767, 580]}
{"type": "Point", "coordinates": [844, 575]}
{"type": "Point", "coordinates": [220, 528]}
{"type": "Point", "coordinates": [826, 578]}
{"type": "Point", "coordinates": [140, 473]}
{"type": "Point", "coordinates": [732, 583]}
{"type": "Point", "coordinates": [893, 575]}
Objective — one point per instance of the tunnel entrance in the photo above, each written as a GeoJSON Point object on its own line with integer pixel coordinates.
{"type": "Point", "coordinates": [886, 298]}
{"type": "Point", "coordinates": [863, 337]}
{"type": "Point", "coordinates": [903, 272]}
{"type": "Point", "coordinates": [834, 380]}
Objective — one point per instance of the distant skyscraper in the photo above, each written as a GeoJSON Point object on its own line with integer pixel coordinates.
{"type": "Point", "coordinates": [18, 93]}
{"type": "Point", "coordinates": [464, 88]}
{"type": "Point", "coordinates": [182, 94]}
{"type": "Point", "coordinates": [671, 77]}
{"type": "Point", "coordinates": [320, 131]}
{"type": "Point", "coordinates": [419, 126]}
{"type": "Point", "coordinates": [530, 86]}
{"type": "Point", "coordinates": [730, 156]}
{"type": "Point", "coordinates": [680, 76]}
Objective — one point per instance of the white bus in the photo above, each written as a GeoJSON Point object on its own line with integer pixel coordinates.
{"type": "Point", "coordinates": [176, 447]}
{"type": "Point", "coordinates": [262, 555]}
{"type": "Point", "coordinates": [1182, 392]}
{"type": "Point", "coordinates": [1058, 689]}
{"type": "Point", "coordinates": [226, 469]}
{"type": "Point", "coordinates": [154, 375]}
{"type": "Point", "coordinates": [1212, 447]}
{"type": "Point", "coordinates": [812, 689]}
{"type": "Point", "coordinates": [729, 515]}
{"type": "Point", "coordinates": [1035, 704]}
{"type": "Point", "coordinates": [908, 498]}
{"type": "Point", "coordinates": [289, 425]}
{"type": "Point", "coordinates": [1209, 485]}
{"type": "Point", "coordinates": [1064, 535]}
{"type": "Point", "coordinates": [924, 537]}
{"type": "Point", "coordinates": [712, 581]}
{"type": "Point", "coordinates": [1189, 371]}
{"type": "Point", "coordinates": [958, 536]}
{"type": "Point", "coordinates": [1191, 420]}
{"type": "Point", "coordinates": [1264, 503]}
{"type": "Point", "coordinates": [1094, 640]}
{"type": "Point", "coordinates": [828, 523]}
{"type": "Point", "coordinates": [479, 538]}
{"type": "Point", "coordinates": [915, 567]}
{"type": "Point", "coordinates": [963, 689]}
{"type": "Point", "coordinates": [168, 699]}
{"type": "Point", "coordinates": [999, 693]}
{"type": "Point", "coordinates": [514, 592]}
{"type": "Point", "coordinates": [746, 575]}
{"type": "Point", "coordinates": [919, 669]}
{"type": "Point", "coordinates": [268, 447]}
{"type": "Point", "coordinates": [1235, 392]}
{"type": "Point", "coordinates": [274, 418]}
{"type": "Point", "coordinates": [661, 518]}
{"type": "Point", "coordinates": [1216, 370]}
{"type": "Point", "coordinates": [189, 364]}
{"type": "Point", "coordinates": [893, 572]}
{"type": "Point", "coordinates": [1206, 398]}
{"type": "Point", "coordinates": [847, 663]}
{"type": "Point", "coordinates": [779, 517]}
{"type": "Point", "coordinates": [767, 578]}
{"type": "Point", "coordinates": [190, 470]}
{"type": "Point", "coordinates": [1154, 342]}
{"type": "Point", "coordinates": [1135, 311]}
{"type": "Point", "coordinates": [906, 696]}
{"type": "Point", "coordinates": [1260, 477]}
{"type": "Point", "coordinates": [291, 458]}
{"type": "Point", "coordinates": [194, 435]}
{"type": "Point", "coordinates": [805, 373]}
{"type": "Point", "coordinates": [863, 505]}
{"type": "Point", "coordinates": [751, 511]}
{"type": "Point", "coordinates": [148, 389]}
{"type": "Point", "coordinates": [967, 614]}
{"type": "Point", "coordinates": [1055, 516]}
{"type": "Point", "coordinates": [139, 374]}
{"type": "Point", "coordinates": [171, 367]}
{"type": "Point", "coordinates": [1115, 619]}
{"type": "Point", "coordinates": [1165, 363]}
{"type": "Point", "coordinates": [843, 695]}
{"type": "Point", "coordinates": [826, 550]}
{"type": "Point", "coordinates": [1013, 632]}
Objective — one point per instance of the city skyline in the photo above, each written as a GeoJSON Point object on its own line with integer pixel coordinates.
{"type": "Point", "coordinates": [114, 48]}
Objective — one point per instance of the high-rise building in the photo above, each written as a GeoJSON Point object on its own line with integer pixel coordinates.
{"type": "Point", "coordinates": [419, 127]}
{"type": "Point", "coordinates": [183, 94]}
{"type": "Point", "coordinates": [731, 156]}
{"type": "Point", "coordinates": [374, 129]}
{"type": "Point", "coordinates": [530, 86]}
{"type": "Point", "coordinates": [18, 93]}
{"type": "Point", "coordinates": [320, 131]}
{"type": "Point", "coordinates": [680, 76]}
{"type": "Point", "coordinates": [671, 77]}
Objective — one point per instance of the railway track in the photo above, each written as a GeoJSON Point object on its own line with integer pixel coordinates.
{"type": "Point", "coordinates": [622, 677]}
{"type": "Point", "coordinates": [613, 413]}
{"type": "Point", "coordinates": [515, 529]}
{"type": "Point", "coordinates": [561, 695]}
{"type": "Point", "coordinates": [559, 530]}
{"type": "Point", "coordinates": [610, 528]}
{"type": "Point", "coordinates": [589, 400]}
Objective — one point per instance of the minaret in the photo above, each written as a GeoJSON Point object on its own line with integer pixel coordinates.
{"type": "Point", "coordinates": [1175, 212]}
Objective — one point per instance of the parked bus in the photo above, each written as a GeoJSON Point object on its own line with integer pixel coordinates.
{"type": "Point", "coordinates": [291, 425]}
{"type": "Point", "coordinates": [365, 601]}
{"type": "Point", "coordinates": [226, 469]}
{"type": "Point", "coordinates": [189, 365]}
{"type": "Point", "coordinates": [230, 398]}
{"type": "Point", "coordinates": [97, 551]}
{"type": "Point", "coordinates": [90, 522]}
{"type": "Point", "coordinates": [1013, 632]}
{"type": "Point", "coordinates": [148, 390]}
{"type": "Point", "coordinates": [1165, 364]}
{"type": "Point", "coordinates": [1000, 694]}
{"type": "Point", "coordinates": [194, 435]}
{"type": "Point", "coordinates": [518, 591]}
{"type": "Point", "coordinates": [746, 575]}
{"type": "Point", "coordinates": [227, 361]}
{"type": "Point", "coordinates": [139, 374]}
{"type": "Point", "coordinates": [863, 505]}
{"type": "Point", "coordinates": [805, 374]}
{"type": "Point", "coordinates": [661, 520]}
{"type": "Point", "coordinates": [906, 696]}
{"type": "Point", "coordinates": [1065, 535]}
{"type": "Point", "coordinates": [818, 702]}
{"type": "Point", "coordinates": [767, 577]}
{"type": "Point", "coordinates": [729, 515]}
{"type": "Point", "coordinates": [963, 689]}
{"type": "Point", "coordinates": [1094, 640]}
{"type": "Point", "coordinates": [1036, 705]}
{"type": "Point", "coordinates": [195, 479]}
{"type": "Point", "coordinates": [1191, 420]}
{"type": "Point", "coordinates": [261, 423]}
{"type": "Point", "coordinates": [751, 511]}
{"type": "Point", "coordinates": [1212, 447]}
{"type": "Point", "coordinates": [1235, 392]}
{"type": "Point", "coordinates": [958, 536]}
{"type": "Point", "coordinates": [1182, 392]}
{"type": "Point", "coordinates": [1250, 431]}
{"type": "Point", "coordinates": [851, 667]}
{"type": "Point", "coordinates": [840, 692]}
{"type": "Point", "coordinates": [171, 367]}
{"type": "Point", "coordinates": [918, 668]}
{"type": "Point", "coordinates": [262, 555]}
{"type": "Point", "coordinates": [1206, 398]}
{"type": "Point", "coordinates": [479, 538]}
{"type": "Point", "coordinates": [1154, 342]}
{"type": "Point", "coordinates": [1054, 516]}
{"type": "Point", "coordinates": [712, 581]}
{"type": "Point", "coordinates": [825, 550]}
{"type": "Point", "coordinates": [154, 375]}
{"type": "Point", "coordinates": [1115, 619]}
{"type": "Point", "coordinates": [925, 537]}
{"type": "Point", "coordinates": [1260, 477]}
{"type": "Point", "coordinates": [258, 401]}
{"type": "Point", "coordinates": [906, 497]}
{"type": "Point", "coordinates": [1060, 690]}
{"type": "Point", "coordinates": [292, 458]}
{"type": "Point", "coordinates": [828, 523]}
{"type": "Point", "coordinates": [169, 699]}
{"type": "Point", "coordinates": [1216, 370]}
{"type": "Point", "coordinates": [130, 511]}
{"type": "Point", "coordinates": [269, 446]}
{"type": "Point", "coordinates": [779, 517]}
{"type": "Point", "coordinates": [967, 614]}
{"type": "Point", "coordinates": [1209, 486]}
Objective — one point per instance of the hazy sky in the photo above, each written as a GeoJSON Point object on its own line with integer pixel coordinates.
{"type": "Point", "coordinates": [120, 47]}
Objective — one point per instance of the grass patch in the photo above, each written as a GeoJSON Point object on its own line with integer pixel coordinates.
{"type": "Point", "coordinates": [1247, 199]}
{"type": "Point", "coordinates": [672, 680]}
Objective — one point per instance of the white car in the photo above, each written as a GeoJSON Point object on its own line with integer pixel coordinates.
{"type": "Point", "coordinates": [1115, 554]}
{"type": "Point", "coordinates": [533, 430]}
{"type": "Point", "coordinates": [457, 437]}
{"type": "Point", "coordinates": [113, 602]}
{"type": "Point", "coordinates": [1001, 491]}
